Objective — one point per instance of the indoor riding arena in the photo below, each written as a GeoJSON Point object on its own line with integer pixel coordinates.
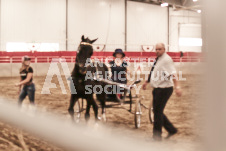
{"type": "Point", "coordinates": [50, 35]}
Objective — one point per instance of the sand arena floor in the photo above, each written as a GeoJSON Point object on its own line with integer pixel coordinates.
{"type": "Point", "coordinates": [182, 111]}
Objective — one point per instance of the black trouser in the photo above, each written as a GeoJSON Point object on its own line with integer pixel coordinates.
{"type": "Point", "coordinates": [160, 98]}
{"type": "Point", "coordinates": [27, 90]}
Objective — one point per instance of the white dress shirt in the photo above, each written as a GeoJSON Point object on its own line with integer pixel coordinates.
{"type": "Point", "coordinates": [162, 75]}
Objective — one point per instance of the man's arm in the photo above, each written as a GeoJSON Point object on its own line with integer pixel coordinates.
{"type": "Point", "coordinates": [144, 86]}
{"type": "Point", "coordinates": [177, 87]}
{"type": "Point", "coordinates": [170, 69]}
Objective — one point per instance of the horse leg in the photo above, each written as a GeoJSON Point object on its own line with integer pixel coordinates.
{"type": "Point", "coordinates": [95, 107]}
{"type": "Point", "coordinates": [101, 98]}
{"type": "Point", "coordinates": [87, 115]}
{"type": "Point", "coordinates": [73, 100]}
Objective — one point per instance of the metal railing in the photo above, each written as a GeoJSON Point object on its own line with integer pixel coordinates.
{"type": "Point", "coordinates": [71, 59]}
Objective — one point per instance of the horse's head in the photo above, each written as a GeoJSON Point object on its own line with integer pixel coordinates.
{"type": "Point", "coordinates": [85, 51]}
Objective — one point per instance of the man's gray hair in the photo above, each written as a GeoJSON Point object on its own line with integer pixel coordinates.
{"type": "Point", "coordinates": [161, 44]}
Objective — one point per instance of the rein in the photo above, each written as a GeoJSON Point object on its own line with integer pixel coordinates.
{"type": "Point", "coordinates": [94, 63]}
{"type": "Point", "coordinates": [97, 78]}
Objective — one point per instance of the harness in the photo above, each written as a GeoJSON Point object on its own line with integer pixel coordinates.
{"type": "Point", "coordinates": [97, 77]}
{"type": "Point", "coordinates": [86, 43]}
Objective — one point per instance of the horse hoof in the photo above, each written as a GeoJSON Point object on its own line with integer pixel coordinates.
{"type": "Point", "coordinates": [104, 118]}
{"type": "Point", "coordinates": [72, 120]}
{"type": "Point", "coordinates": [87, 117]}
{"type": "Point", "coordinates": [96, 126]}
{"type": "Point", "coordinates": [77, 121]}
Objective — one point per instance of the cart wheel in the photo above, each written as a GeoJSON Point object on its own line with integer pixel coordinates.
{"type": "Point", "coordinates": [77, 109]}
{"type": "Point", "coordinates": [137, 114]}
{"type": "Point", "coordinates": [151, 114]}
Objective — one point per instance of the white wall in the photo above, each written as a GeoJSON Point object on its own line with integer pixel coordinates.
{"type": "Point", "coordinates": [180, 17]}
{"type": "Point", "coordinates": [45, 21]}
{"type": "Point", "coordinates": [96, 19]}
{"type": "Point", "coordinates": [33, 21]}
{"type": "Point", "coordinates": [147, 24]}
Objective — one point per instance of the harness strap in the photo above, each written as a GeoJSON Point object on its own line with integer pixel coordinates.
{"type": "Point", "coordinates": [95, 65]}
{"type": "Point", "coordinates": [86, 43]}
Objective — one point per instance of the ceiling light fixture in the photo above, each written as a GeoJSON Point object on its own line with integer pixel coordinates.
{"type": "Point", "coordinates": [164, 4]}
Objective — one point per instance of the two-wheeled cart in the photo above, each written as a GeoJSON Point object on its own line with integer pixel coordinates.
{"type": "Point", "coordinates": [121, 98]}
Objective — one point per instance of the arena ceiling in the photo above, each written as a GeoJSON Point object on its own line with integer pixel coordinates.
{"type": "Point", "coordinates": [176, 4]}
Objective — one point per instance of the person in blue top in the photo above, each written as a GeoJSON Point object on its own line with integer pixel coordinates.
{"type": "Point", "coordinates": [119, 71]}
{"type": "Point", "coordinates": [119, 67]}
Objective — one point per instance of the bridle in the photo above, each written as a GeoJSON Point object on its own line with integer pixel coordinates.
{"type": "Point", "coordinates": [86, 43]}
{"type": "Point", "coordinates": [95, 64]}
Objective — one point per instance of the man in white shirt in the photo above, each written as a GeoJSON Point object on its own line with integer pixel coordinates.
{"type": "Point", "coordinates": [163, 78]}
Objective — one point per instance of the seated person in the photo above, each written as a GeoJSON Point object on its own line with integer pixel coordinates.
{"type": "Point", "coordinates": [119, 67]}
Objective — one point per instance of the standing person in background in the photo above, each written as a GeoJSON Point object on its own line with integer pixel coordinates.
{"type": "Point", "coordinates": [164, 69]}
{"type": "Point", "coordinates": [26, 78]}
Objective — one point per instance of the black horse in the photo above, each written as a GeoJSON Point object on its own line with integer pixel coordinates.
{"type": "Point", "coordinates": [82, 67]}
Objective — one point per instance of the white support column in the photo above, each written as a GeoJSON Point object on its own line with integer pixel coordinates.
{"type": "Point", "coordinates": [214, 36]}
